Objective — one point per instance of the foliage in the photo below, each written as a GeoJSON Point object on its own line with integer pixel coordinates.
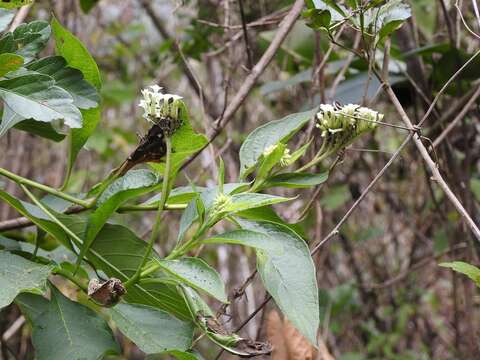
{"type": "Point", "coordinates": [283, 182]}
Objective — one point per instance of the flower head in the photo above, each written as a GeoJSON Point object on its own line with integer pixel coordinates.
{"type": "Point", "coordinates": [340, 125]}
{"type": "Point", "coordinates": [157, 105]}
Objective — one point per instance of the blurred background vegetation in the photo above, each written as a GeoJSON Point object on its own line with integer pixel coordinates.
{"type": "Point", "coordinates": [382, 294]}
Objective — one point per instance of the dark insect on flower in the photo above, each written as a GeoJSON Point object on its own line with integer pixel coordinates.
{"type": "Point", "coordinates": [106, 294]}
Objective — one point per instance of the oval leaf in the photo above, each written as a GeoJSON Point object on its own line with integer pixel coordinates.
{"type": "Point", "coordinates": [152, 330]}
{"type": "Point", "coordinates": [20, 275]}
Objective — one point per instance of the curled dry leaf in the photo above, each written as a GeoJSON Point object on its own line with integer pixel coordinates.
{"type": "Point", "coordinates": [107, 293]}
{"type": "Point", "coordinates": [244, 348]}
{"type": "Point", "coordinates": [287, 342]}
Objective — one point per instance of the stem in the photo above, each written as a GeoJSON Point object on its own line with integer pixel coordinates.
{"type": "Point", "coordinates": [132, 208]}
{"type": "Point", "coordinates": [72, 278]}
{"type": "Point", "coordinates": [177, 252]}
{"type": "Point", "coordinates": [158, 219]}
{"type": "Point", "coordinates": [50, 215]}
{"type": "Point", "coordinates": [23, 181]}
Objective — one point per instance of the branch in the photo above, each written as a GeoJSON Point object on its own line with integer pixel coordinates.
{"type": "Point", "coordinates": [252, 78]}
{"type": "Point", "coordinates": [436, 176]}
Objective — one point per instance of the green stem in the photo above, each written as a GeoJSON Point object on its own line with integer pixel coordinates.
{"type": "Point", "coordinates": [23, 181]}
{"type": "Point", "coordinates": [50, 215]}
{"type": "Point", "coordinates": [133, 208]}
{"type": "Point", "coordinates": [158, 219]}
{"type": "Point", "coordinates": [72, 278]}
{"type": "Point", "coordinates": [183, 249]}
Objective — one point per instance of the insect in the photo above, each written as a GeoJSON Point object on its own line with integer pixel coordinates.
{"type": "Point", "coordinates": [107, 293]}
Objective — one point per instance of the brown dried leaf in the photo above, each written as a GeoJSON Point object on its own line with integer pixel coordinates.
{"type": "Point", "coordinates": [299, 348]}
{"type": "Point", "coordinates": [275, 336]}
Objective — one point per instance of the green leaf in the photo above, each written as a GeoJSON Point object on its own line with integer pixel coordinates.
{"type": "Point", "coordinates": [245, 201]}
{"type": "Point", "coordinates": [152, 330]}
{"type": "Point", "coordinates": [31, 305]}
{"type": "Point", "coordinates": [267, 135]}
{"type": "Point", "coordinates": [6, 17]}
{"type": "Point", "coordinates": [20, 275]}
{"type": "Point", "coordinates": [207, 197]}
{"type": "Point", "coordinates": [75, 53]}
{"type": "Point", "coordinates": [36, 97]}
{"type": "Point", "coordinates": [296, 180]}
{"type": "Point", "coordinates": [185, 142]}
{"type": "Point", "coordinates": [118, 252]}
{"type": "Point", "coordinates": [287, 271]}
{"type": "Point", "coordinates": [27, 40]}
{"type": "Point", "coordinates": [179, 195]}
{"type": "Point", "coordinates": [9, 62]}
{"type": "Point", "coordinates": [133, 184]}
{"type": "Point", "coordinates": [337, 12]}
{"type": "Point", "coordinates": [41, 129]}
{"type": "Point", "coordinates": [196, 273]}
{"type": "Point", "coordinates": [68, 330]}
{"type": "Point", "coordinates": [12, 4]}
{"type": "Point", "coordinates": [87, 5]}
{"type": "Point", "coordinates": [387, 18]}
{"type": "Point", "coordinates": [85, 96]}
{"type": "Point", "coordinates": [266, 213]}
{"type": "Point", "coordinates": [471, 271]}
{"type": "Point", "coordinates": [78, 57]}
{"type": "Point", "coordinates": [36, 215]}
{"type": "Point", "coordinates": [268, 162]}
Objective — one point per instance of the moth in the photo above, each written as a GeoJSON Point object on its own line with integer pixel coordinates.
{"type": "Point", "coordinates": [107, 293]}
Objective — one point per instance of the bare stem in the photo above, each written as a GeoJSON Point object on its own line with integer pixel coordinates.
{"type": "Point", "coordinates": [161, 204]}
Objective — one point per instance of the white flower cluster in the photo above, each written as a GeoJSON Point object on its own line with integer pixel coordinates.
{"type": "Point", "coordinates": [157, 104]}
{"type": "Point", "coordinates": [340, 125]}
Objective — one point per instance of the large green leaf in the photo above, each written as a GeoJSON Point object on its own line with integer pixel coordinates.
{"type": "Point", "coordinates": [471, 271]}
{"type": "Point", "coordinates": [32, 305]}
{"type": "Point", "coordinates": [78, 57]}
{"type": "Point", "coordinates": [12, 4]}
{"type": "Point", "coordinates": [133, 184]}
{"type": "Point", "coordinates": [27, 40]}
{"type": "Point", "coordinates": [36, 215]}
{"type": "Point", "coordinates": [20, 275]}
{"type": "Point", "coordinates": [267, 135]}
{"type": "Point", "coordinates": [196, 273]}
{"type": "Point", "coordinates": [286, 269]}
{"type": "Point", "coordinates": [85, 95]}
{"type": "Point", "coordinates": [69, 330]}
{"type": "Point", "coordinates": [45, 130]}
{"type": "Point", "coordinates": [35, 96]}
{"type": "Point", "coordinates": [152, 330]}
{"type": "Point", "coordinates": [75, 53]}
{"type": "Point", "coordinates": [118, 252]}
{"type": "Point", "coordinates": [9, 62]}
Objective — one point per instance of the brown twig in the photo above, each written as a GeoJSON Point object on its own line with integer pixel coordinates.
{"type": "Point", "coordinates": [458, 118]}
{"type": "Point", "coordinates": [252, 78]}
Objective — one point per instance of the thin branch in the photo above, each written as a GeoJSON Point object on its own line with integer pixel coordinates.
{"type": "Point", "coordinates": [336, 229]}
{"type": "Point", "coordinates": [444, 87]}
{"type": "Point", "coordinates": [245, 35]}
{"type": "Point", "coordinates": [426, 156]}
{"type": "Point", "coordinates": [250, 81]}
{"type": "Point", "coordinates": [458, 118]}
